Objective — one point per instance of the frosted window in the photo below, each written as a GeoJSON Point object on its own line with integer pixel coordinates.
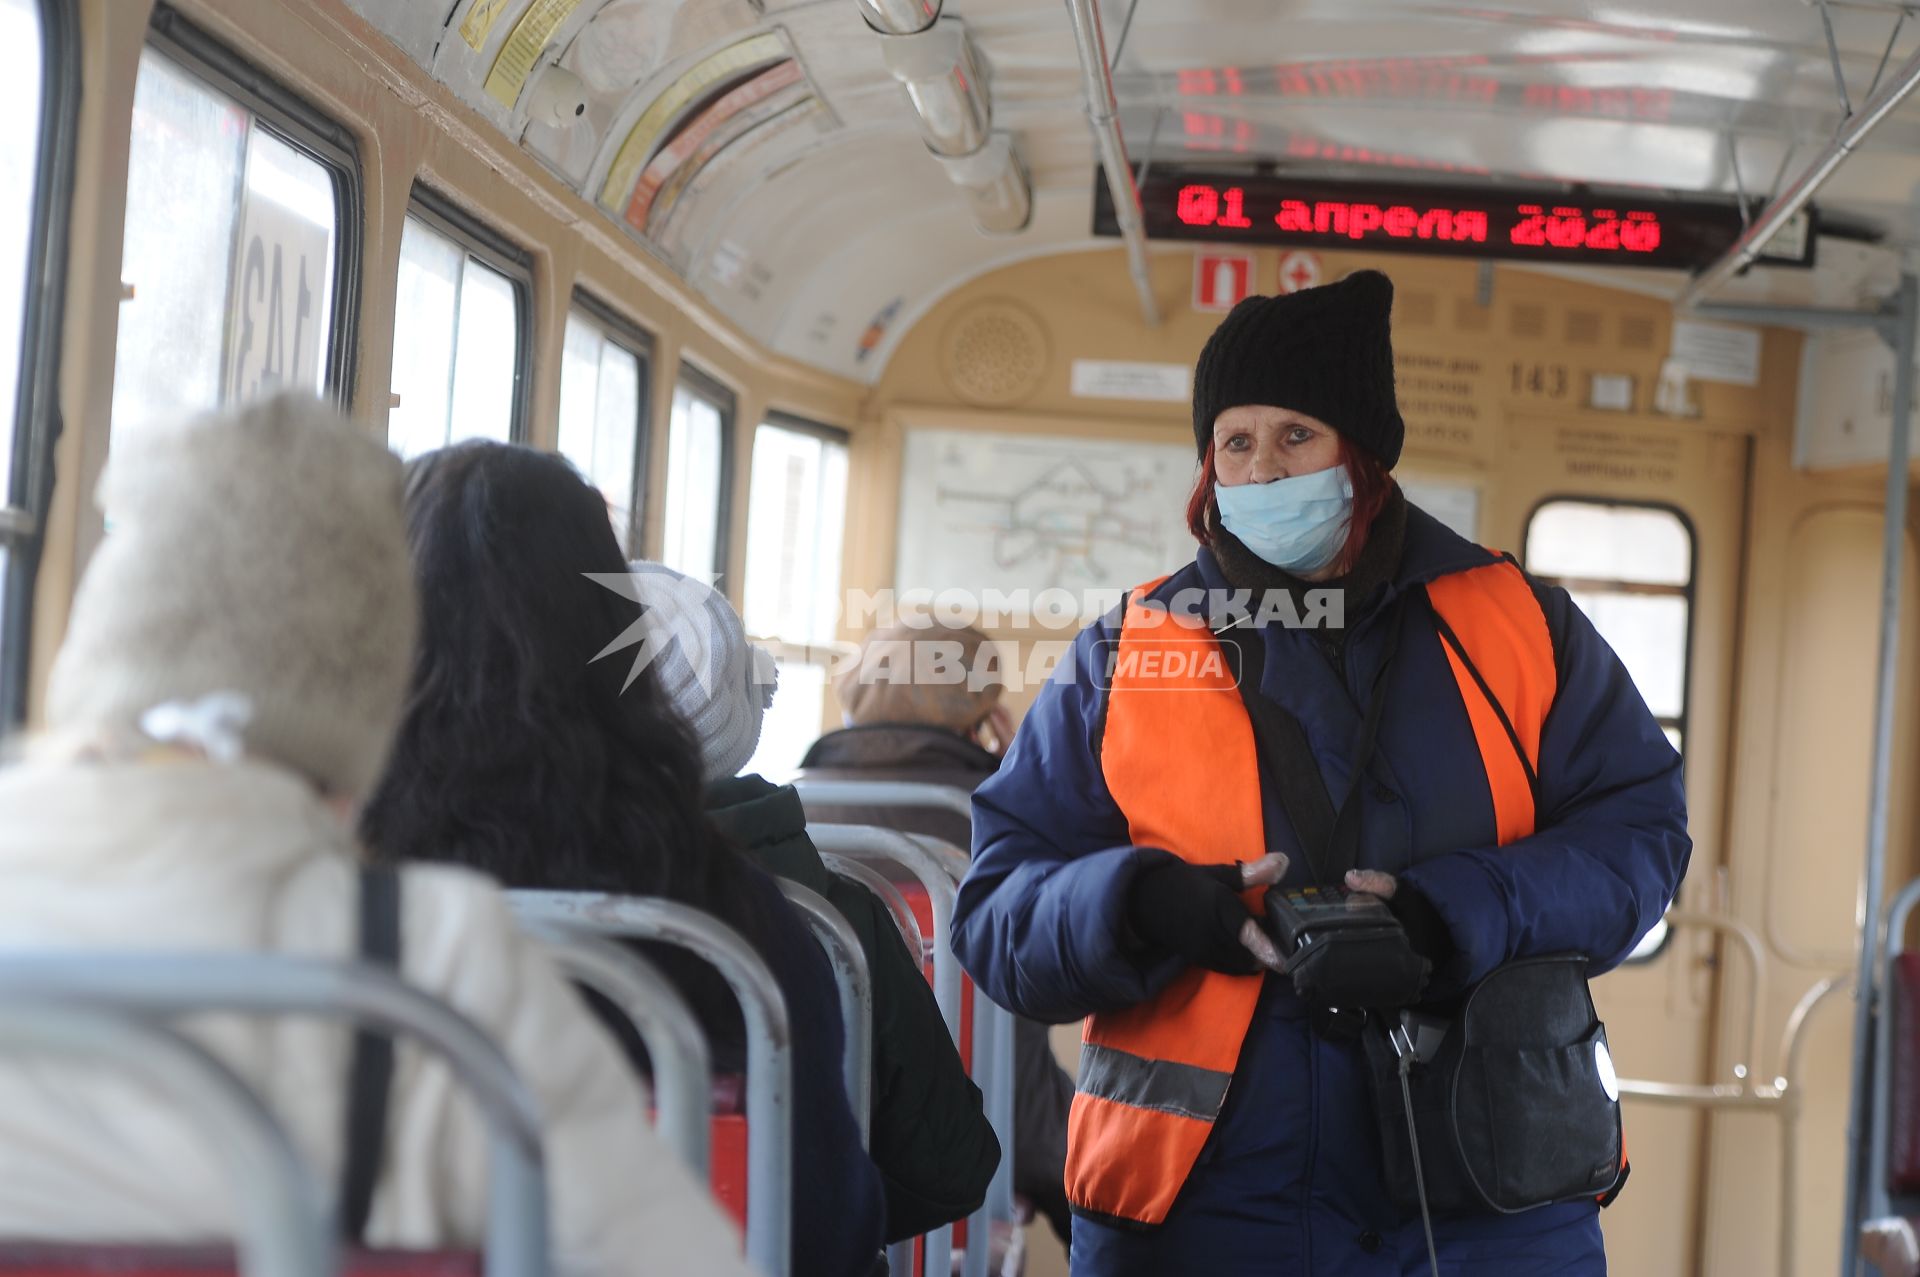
{"type": "Point", "coordinates": [600, 416]}
{"type": "Point", "coordinates": [792, 722]}
{"type": "Point", "coordinates": [1630, 569]}
{"type": "Point", "coordinates": [1609, 543]}
{"type": "Point", "coordinates": [228, 259]}
{"type": "Point", "coordinates": [20, 93]}
{"type": "Point", "coordinates": [796, 517]}
{"type": "Point", "coordinates": [1649, 635]}
{"type": "Point", "coordinates": [695, 460]}
{"type": "Point", "coordinates": [456, 345]}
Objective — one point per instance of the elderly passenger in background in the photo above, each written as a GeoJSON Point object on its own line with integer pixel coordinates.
{"type": "Point", "coordinates": [948, 733]}
{"type": "Point", "coordinates": [537, 747]}
{"type": "Point", "coordinates": [929, 1136]}
{"type": "Point", "coordinates": [230, 684]}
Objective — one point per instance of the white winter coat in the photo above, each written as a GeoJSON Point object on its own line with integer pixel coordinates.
{"type": "Point", "coordinates": [188, 855]}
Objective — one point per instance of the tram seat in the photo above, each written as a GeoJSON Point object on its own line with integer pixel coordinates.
{"type": "Point", "coordinates": [55, 1259]}
{"type": "Point", "coordinates": [1903, 1154]}
{"type": "Point", "coordinates": [728, 1174]}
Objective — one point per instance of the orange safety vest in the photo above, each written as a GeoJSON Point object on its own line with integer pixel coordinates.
{"type": "Point", "coordinates": [1153, 1077]}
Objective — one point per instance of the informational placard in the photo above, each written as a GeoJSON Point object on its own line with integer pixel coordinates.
{"type": "Point", "coordinates": [985, 510]}
{"type": "Point", "coordinates": [277, 289]}
{"type": "Point", "coordinates": [1221, 281]}
{"type": "Point", "coordinates": [1454, 502]}
{"type": "Point", "coordinates": [517, 57]}
{"type": "Point", "coordinates": [1131, 379]}
{"type": "Point", "coordinates": [1300, 270]}
{"type": "Point", "coordinates": [1727, 353]}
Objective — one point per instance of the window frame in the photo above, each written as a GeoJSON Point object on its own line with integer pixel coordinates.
{"type": "Point", "coordinates": [1688, 593]}
{"type": "Point", "coordinates": [783, 647]}
{"type": "Point", "coordinates": [638, 342]}
{"type": "Point", "coordinates": [706, 386]}
{"type": "Point", "coordinates": [780, 644]}
{"type": "Point", "coordinates": [807, 426]}
{"type": "Point", "coordinates": [1681, 722]}
{"type": "Point", "coordinates": [37, 424]}
{"type": "Point", "coordinates": [307, 129]}
{"type": "Point", "coordinates": [444, 216]}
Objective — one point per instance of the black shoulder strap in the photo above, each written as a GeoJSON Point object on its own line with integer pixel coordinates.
{"type": "Point", "coordinates": [1330, 836]}
{"type": "Point", "coordinates": [1282, 745]}
{"type": "Point", "coordinates": [370, 1073]}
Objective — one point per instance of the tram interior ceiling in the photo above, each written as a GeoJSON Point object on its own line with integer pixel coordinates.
{"type": "Point", "coordinates": [842, 301]}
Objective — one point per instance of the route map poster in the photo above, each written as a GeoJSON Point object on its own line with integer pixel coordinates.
{"type": "Point", "coordinates": [982, 510]}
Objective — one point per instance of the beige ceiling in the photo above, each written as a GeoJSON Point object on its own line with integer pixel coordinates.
{"type": "Point", "coordinates": [818, 209]}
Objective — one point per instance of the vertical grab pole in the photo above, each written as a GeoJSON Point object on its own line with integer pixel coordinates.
{"type": "Point", "coordinates": [1898, 333]}
{"type": "Point", "coordinates": [1878, 1199]}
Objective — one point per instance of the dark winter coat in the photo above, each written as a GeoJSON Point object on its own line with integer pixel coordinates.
{"type": "Point", "coordinates": [929, 1136]}
{"type": "Point", "coordinates": [1289, 1182]}
{"type": "Point", "coordinates": [1043, 1092]}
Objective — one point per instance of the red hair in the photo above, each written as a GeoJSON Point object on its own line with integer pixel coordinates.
{"type": "Point", "coordinates": [1371, 487]}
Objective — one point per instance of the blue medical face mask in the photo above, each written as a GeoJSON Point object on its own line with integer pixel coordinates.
{"type": "Point", "coordinates": [1298, 524]}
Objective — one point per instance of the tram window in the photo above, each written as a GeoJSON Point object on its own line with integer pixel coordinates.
{"type": "Point", "coordinates": [40, 97]}
{"type": "Point", "coordinates": [458, 336]}
{"type": "Point", "coordinates": [796, 521]}
{"type": "Point", "coordinates": [698, 476]}
{"type": "Point", "coordinates": [234, 209]}
{"type": "Point", "coordinates": [603, 399]}
{"type": "Point", "coordinates": [1630, 569]}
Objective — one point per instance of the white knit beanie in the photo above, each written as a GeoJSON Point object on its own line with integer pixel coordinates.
{"type": "Point", "coordinates": [718, 681]}
{"type": "Point", "coordinates": [261, 552]}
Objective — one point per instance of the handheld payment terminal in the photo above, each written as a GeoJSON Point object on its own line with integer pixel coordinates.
{"type": "Point", "coordinates": [1344, 948]}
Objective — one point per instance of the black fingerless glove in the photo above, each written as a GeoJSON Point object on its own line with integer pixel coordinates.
{"type": "Point", "coordinates": [1192, 912]}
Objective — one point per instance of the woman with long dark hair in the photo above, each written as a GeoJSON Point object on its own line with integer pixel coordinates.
{"type": "Point", "coordinates": [526, 755]}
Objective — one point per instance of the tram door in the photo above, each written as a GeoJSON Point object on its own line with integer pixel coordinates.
{"type": "Point", "coordinates": [1642, 522]}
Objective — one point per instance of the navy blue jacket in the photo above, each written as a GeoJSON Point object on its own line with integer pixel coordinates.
{"type": "Point", "coordinates": [1290, 1181]}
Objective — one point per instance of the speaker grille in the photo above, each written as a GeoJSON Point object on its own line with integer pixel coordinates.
{"type": "Point", "coordinates": [995, 353]}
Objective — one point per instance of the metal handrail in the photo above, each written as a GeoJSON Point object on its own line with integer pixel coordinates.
{"type": "Point", "coordinates": [763, 1008]}
{"type": "Point", "coordinates": [167, 985]}
{"type": "Point", "coordinates": [868, 844]}
{"type": "Point", "coordinates": [993, 1073]}
{"type": "Point", "coordinates": [854, 981]}
{"type": "Point", "coordinates": [676, 1044]}
{"type": "Point", "coordinates": [888, 893]}
{"type": "Point", "coordinates": [1743, 1066]}
{"type": "Point", "coordinates": [284, 1227]}
{"type": "Point", "coordinates": [871, 844]}
{"type": "Point", "coordinates": [1792, 1040]}
{"type": "Point", "coordinates": [884, 793]}
{"type": "Point", "coordinates": [1781, 1096]}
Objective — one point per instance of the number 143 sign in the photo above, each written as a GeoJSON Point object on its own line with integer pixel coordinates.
{"type": "Point", "coordinates": [277, 280]}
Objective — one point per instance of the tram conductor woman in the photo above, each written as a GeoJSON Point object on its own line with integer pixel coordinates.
{"type": "Point", "coordinates": [1419, 721]}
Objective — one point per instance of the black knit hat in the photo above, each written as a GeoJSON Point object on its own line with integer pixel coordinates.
{"type": "Point", "coordinates": [1327, 352]}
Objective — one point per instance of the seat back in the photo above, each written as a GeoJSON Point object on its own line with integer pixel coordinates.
{"type": "Point", "coordinates": [173, 985]}
{"type": "Point", "coordinates": [285, 1229]}
{"type": "Point", "coordinates": [768, 1180]}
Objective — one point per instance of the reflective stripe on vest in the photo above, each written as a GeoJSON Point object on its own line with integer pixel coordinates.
{"type": "Point", "coordinates": [1153, 1078]}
